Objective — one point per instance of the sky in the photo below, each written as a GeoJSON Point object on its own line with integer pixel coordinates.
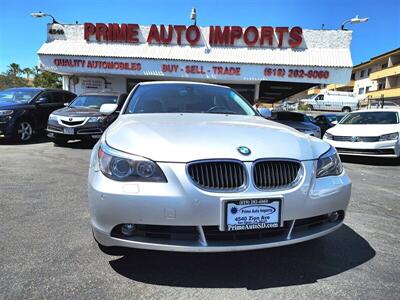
{"type": "Point", "coordinates": [21, 35]}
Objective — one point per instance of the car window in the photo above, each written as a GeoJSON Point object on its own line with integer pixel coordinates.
{"type": "Point", "coordinates": [49, 96]}
{"type": "Point", "coordinates": [18, 95]}
{"type": "Point", "coordinates": [93, 101]}
{"type": "Point", "coordinates": [187, 98]}
{"type": "Point", "coordinates": [287, 116]}
{"type": "Point", "coordinates": [62, 97]}
{"type": "Point", "coordinates": [371, 118]}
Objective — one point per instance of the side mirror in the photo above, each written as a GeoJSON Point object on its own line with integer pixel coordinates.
{"type": "Point", "coordinates": [334, 122]}
{"type": "Point", "coordinates": [108, 108]}
{"type": "Point", "coordinates": [42, 100]}
{"type": "Point", "coordinates": [66, 104]}
{"type": "Point", "coordinates": [265, 112]}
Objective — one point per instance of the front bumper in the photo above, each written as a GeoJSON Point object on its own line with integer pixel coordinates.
{"type": "Point", "coordinates": [376, 149]}
{"type": "Point", "coordinates": [179, 203]}
{"type": "Point", "coordinates": [79, 132]}
{"type": "Point", "coordinates": [6, 126]}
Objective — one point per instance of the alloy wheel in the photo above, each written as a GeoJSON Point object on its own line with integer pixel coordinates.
{"type": "Point", "coordinates": [25, 131]}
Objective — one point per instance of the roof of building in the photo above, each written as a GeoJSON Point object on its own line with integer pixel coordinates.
{"type": "Point", "coordinates": [372, 60]}
{"type": "Point", "coordinates": [329, 48]}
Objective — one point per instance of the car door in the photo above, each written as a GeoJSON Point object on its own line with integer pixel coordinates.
{"type": "Point", "coordinates": [319, 102]}
{"type": "Point", "coordinates": [45, 103]}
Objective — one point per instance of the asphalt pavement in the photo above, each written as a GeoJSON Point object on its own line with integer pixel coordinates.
{"type": "Point", "coordinates": [47, 250]}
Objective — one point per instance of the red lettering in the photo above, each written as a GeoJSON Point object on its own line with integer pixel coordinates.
{"type": "Point", "coordinates": [267, 33]}
{"type": "Point", "coordinates": [218, 37]}
{"type": "Point", "coordinates": [193, 34]}
{"type": "Point", "coordinates": [250, 35]}
{"type": "Point", "coordinates": [117, 33]}
{"type": "Point", "coordinates": [132, 31]}
{"type": "Point", "coordinates": [168, 38]}
{"type": "Point", "coordinates": [236, 33]}
{"type": "Point", "coordinates": [88, 30]}
{"type": "Point", "coordinates": [101, 31]}
{"type": "Point", "coordinates": [295, 37]}
{"type": "Point", "coordinates": [153, 35]}
{"type": "Point", "coordinates": [179, 29]}
{"type": "Point", "coordinates": [281, 33]}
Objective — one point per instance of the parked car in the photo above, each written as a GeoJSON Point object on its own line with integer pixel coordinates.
{"type": "Point", "coordinates": [193, 167]}
{"type": "Point", "coordinates": [82, 118]}
{"type": "Point", "coordinates": [327, 121]}
{"type": "Point", "coordinates": [23, 111]}
{"type": "Point", "coordinates": [373, 132]}
{"type": "Point", "coordinates": [298, 121]}
{"type": "Point", "coordinates": [332, 101]}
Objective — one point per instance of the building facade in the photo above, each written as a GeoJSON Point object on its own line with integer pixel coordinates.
{"type": "Point", "coordinates": [376, 79]}
{"type": "Point", "coordinates": [266, 63]}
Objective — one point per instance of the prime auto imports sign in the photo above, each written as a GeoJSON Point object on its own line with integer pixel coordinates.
{"type": "Point", "coordinates": [251, 36]}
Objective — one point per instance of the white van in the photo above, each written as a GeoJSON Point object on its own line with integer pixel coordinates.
{"type": "Point", "coordinates": [332, 101]}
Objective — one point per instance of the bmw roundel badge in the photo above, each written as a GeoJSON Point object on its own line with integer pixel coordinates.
{"type": "Point", "coordinates": [244, 150]}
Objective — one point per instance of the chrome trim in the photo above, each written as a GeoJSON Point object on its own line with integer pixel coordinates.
{"type": "Point", "coordinates": [294, 183]}
{"type": "Point", "coordinates": [232, 190]}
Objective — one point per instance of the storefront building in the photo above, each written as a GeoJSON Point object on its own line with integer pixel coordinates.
{"type": "Point", "coordinates": [266, 63]}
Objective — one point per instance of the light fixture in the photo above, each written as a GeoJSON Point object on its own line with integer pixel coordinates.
{"type": "Point", "coordinates": [42, 15]}
{"type": "Point", "coordinates": [354, 21]}
{"type": "Point", "coordinates": [193, 15]}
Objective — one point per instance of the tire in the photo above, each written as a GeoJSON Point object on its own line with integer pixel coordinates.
{"type": "Point", "coordinates": [309, 107]}
{"type": "Point", "coordinates": [346, 109]}
{"type": "Point", "coordinates": [23, 131]}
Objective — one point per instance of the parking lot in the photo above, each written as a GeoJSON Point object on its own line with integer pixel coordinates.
{"type": "Point", "coordinates": [47, 249]}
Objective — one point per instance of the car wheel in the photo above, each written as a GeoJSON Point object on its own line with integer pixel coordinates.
{"type": "Point", "coordinates": [346, 109]}
{"type": "Point", "coordinates": [310, 107]}
{"type": "Point", "coordinates": [23, 131]}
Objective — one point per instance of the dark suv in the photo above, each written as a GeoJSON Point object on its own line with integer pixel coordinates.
{"type": "Point", "coordinates": [23, 111]}
{"type": "Point", "coordinates": [81, 119]}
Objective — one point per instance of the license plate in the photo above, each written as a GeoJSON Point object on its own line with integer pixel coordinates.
{"type": "Point", "coordinates": [252, 214]}
{"type": "Point", "coordinates": [68, 131]}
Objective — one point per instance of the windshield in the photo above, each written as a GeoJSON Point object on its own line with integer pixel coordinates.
{"type": "Point", "coordinates": [187, 98]}
{"type": "Point", "coordinates": [287, 116]}
{"type": "Point", "coordinates": [93, 101]}
{"type": "Point", "coordinates": [17, 95]}
{"type": "Point", "coordinates": [371, 118]}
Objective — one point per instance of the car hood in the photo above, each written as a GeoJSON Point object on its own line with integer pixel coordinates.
{"type": "Point", "coordinates": [78, 112]}
{"type": "Point", "coordinates": [188, 137]}
{"type": "Point", "coordinates": [12, 105]}
{"type": "Point", "coordinates": [363, 130]}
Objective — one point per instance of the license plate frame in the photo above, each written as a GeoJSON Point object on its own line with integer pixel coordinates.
{"type": "Point", "coordinates": [69, 131]}
{"type": "Point", "coordinates": [268, 204]}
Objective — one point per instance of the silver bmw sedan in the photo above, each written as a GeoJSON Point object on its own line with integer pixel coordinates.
{"type": "Point", "coordinates": [193, 167]}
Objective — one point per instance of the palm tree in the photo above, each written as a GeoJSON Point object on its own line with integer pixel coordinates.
{"type": "Point", "coordinates": [14, 70]}
{"type": "Point", "coordinates": [28, 72]}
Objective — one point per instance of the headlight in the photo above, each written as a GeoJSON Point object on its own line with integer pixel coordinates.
{"type": "Point", "coordinates": [96, 119]}
{"type": "Point", "coordinates": [328, 136]}
{"type": "Point", "coordinates": [329, 164]}
{"type": "Point", "coordinates": [6, 112]}
{"type": "Point", "coordinates": [52, 117]}
{"type": "Point", "coordinates": [124, 169]}
{"type": "Point", "coordinates": [389, 137]}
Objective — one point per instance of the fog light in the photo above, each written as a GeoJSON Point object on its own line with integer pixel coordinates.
{"type": "Point", "coordinates": [333, 217]}
{"type": "Point", "coordinates": [127, 229]}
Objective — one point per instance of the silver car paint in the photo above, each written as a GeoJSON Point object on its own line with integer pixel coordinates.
{"type": "Point", "coordinates": [173, 140]}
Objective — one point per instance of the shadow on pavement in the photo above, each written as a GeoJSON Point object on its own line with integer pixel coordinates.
{"type": "Point", "coordinates": [375, 161]}
{"type": "Point", "coordinates": [35, 140]}
{"type": "Point", "coordinates": [283, 266]}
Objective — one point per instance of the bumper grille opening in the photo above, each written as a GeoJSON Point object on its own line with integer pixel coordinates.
{"type": "Point", "coordinates": [275, 174]}
{"type": "Point", "coordinates": [188, 233]}
{"type": "Point", "coordinates": [218, 175]}
{"type": "Point", "coordinates": [72, 123]}
{"type": "Point", "coordinates": [366, 151]}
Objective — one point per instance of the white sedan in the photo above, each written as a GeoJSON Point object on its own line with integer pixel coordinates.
{"type": "Point", "coordinates": [373, 132]}
{"type": "Point", "coordinates": [193, 167]}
